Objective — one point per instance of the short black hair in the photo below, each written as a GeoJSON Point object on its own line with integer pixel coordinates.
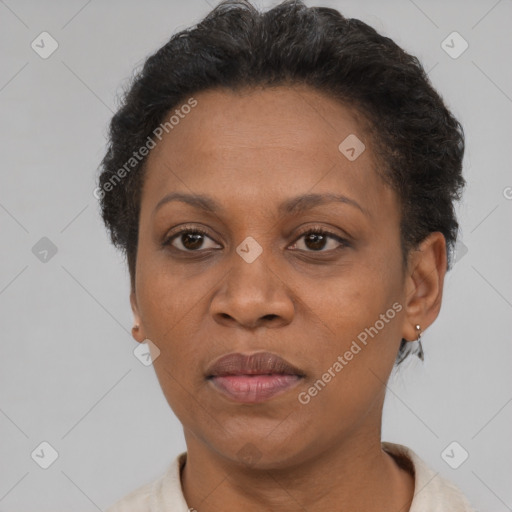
{"type": "Point", "coordinates": [417, 140]}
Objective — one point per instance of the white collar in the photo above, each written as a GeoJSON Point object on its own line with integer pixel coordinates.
{"type": "Point", "coordinates": [431, 491]}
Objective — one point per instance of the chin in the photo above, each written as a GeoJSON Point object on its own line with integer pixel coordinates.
{"type": "Point", "coordinates": [262, 447]}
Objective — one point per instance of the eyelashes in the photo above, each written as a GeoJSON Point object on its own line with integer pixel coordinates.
{"type": "Point", "coordinates": [196, 237]}
{"type": "Point", "coordinates": [322, 235]}
{"type": "Point", "coordinates": [190, 231]}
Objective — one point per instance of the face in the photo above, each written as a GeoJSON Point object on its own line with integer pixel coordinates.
{"type": "Point", "coordinates": [293, 250]}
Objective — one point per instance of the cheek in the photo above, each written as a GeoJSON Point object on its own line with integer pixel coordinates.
{"type": "Point", "coordinates": [361, 315]}
{"type": "Point", "coordinates": [171, 313]}
{"type": "Point", "coordinates": [168, 297]}
{"type": "Point", "coordinates": [348, 382]}
{"type": "Point", "coordinates": [349, 303]}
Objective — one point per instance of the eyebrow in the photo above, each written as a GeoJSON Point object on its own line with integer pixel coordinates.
{"type": "Point", "coordinates": [293, 205]}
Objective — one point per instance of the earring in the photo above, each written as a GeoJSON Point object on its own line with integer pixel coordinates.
{"type": "Point", "coordinates": [419, 351]}
{"type": "Point", "coordinates": [411, 347]}
{"type": "Point", "coordinates": [135, 328]}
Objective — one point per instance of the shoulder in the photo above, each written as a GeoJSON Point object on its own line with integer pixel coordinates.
{"type": "Point", "coordinates": [139, 500]}
{"type": "Point", "coordinates": [431, 490]}
{"type": "Point", "coordinates": [162, 495]}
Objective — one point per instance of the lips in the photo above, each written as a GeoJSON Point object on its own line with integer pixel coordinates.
{"type": "Point", "coordinates": [253, 378]}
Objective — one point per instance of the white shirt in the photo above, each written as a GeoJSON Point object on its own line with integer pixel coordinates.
{"type": "Point", "coordinates": [432, 493]}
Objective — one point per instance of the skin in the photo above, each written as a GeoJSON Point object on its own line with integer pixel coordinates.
{"type": "Point", "coordinates": [250, 151]}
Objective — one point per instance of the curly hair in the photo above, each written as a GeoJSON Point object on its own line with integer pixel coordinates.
{"type": "Point", "coordinates": [418, 142]}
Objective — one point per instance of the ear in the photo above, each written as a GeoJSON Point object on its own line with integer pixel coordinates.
{"type": "Point", "coordinates": [424, 284]}
{"type": "Point", "coordinates": [137, 333]}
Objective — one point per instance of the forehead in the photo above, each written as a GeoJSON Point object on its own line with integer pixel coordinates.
{"type": "Point", "coordinates": [298, 118]}
{"type": "Point", "coordinates": [260, 141]}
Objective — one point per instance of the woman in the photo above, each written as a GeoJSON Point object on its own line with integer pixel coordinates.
{"type": "Point", "coordinates": [282, 185]}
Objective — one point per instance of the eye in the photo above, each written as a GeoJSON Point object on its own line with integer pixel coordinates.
{"type": "Point", "coordinates": [189, 240]}
{"type": "Point", "coordinates": [319, 240]}
{"type": "Point", "coordinates": [195, 239]}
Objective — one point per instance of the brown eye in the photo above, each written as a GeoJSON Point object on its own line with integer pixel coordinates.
{"type": "Point", "coordinates": [318, 240]}
{"type": "Point", "coordinates": [190, 240]}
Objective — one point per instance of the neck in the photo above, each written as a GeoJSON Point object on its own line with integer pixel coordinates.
{"type": "Point", "coordinates": [353, 476]}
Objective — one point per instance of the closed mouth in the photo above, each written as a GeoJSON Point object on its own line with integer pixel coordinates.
{"type": "Point", "coordinates": [254, 378]}
{"type": "Point", "coordinates": [259, 363]}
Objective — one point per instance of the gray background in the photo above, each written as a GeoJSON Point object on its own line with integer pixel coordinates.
{"type": "Point", "coordinates": [68, 374]}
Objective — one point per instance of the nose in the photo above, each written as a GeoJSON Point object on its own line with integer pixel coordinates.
{"type": "Point", "coordinates": [253, 295]}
